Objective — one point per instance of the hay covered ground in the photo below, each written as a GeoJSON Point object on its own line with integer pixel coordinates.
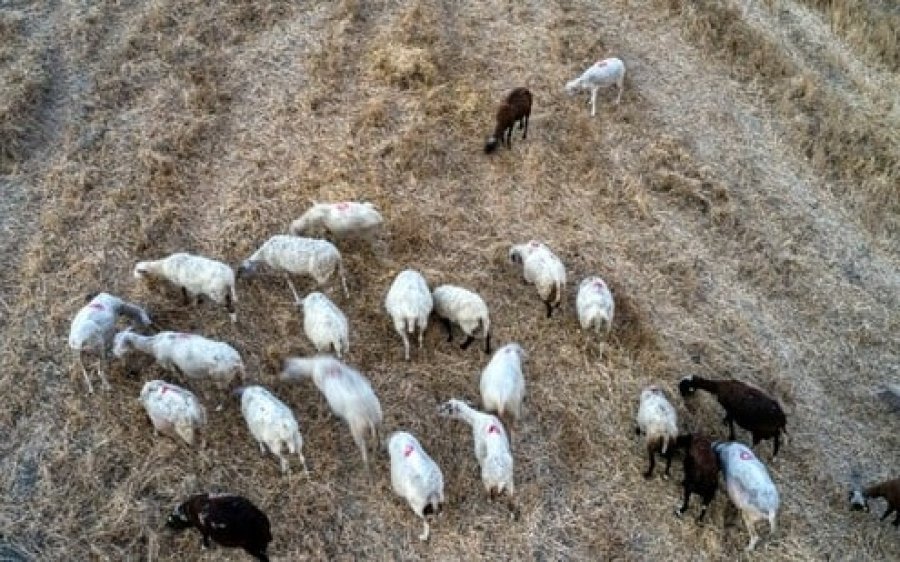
{"type": "Point", "coordinates": [742, 201]}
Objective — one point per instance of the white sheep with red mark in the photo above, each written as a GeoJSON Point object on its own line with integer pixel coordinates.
{"type": "Point", "coordinates": [312, 257]}
{"type": "Point", "coordinates": [189, 355]}
{"type": "Point", "coordinates": [491, 446]}
{"type": "Point", "coordinates": [595, 305]}
{"type": "Point", "coordinates": [196, 276]}
{"type": "Point", "coordinates": [502, 382]}
{"type": "Point", "coordinates": [349, 218]}
{"type": "Point", "coordinates": [348, 392]}
{"type": "Point", "coordinates": [272, 424]}
{"type": "Point", "coordinates": [601, 74]}
{"type": "Point", "coordinates": [325, 324]}
{"type": "Point", "coordinates": [749, 486]}
{"type": "Point", "coordinates": [542, 268]}
{"type": "Point", "coordinates": [456, 305]}
{"type": "Point", "coordinates": [173, 411]}
{"type": "Point", "coordinates": [416, 477]}
{"type": "Point", "coordinates": [94, 327]}
{"type": "Point", "coordinates": [409, 303]}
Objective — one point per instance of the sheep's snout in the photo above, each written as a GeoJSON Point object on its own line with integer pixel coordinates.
{"type": "Point", "coordinates": [491, 145]}
{"type": "Point", "coordinates": [858, 502]}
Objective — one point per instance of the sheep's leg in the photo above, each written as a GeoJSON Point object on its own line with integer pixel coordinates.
{"type": "Point", "coordinates": [621, 86]}
{"type": "Point", "coordinates": [775, 445]}
{"type": "Point", "coordinates": [421, 335]}
{"type": "Point", "coordinates": [684, 506]}
{"type": "Point", "coordinates": [751, 528]}
{"type": "Point", "coordinates": [509, 133]}
{"type": "Point", "coordinates": [87, 378]}
{"type": "Point", "coordinates": [262, 448]}
{"type": "Point", "coordinates": [104, 365]}
{"type": "Point", "coordinates": [283, 462]}
{"type": "Point", "coordinates": [897, 520]}
{"type": "Point", "coordinates": [426, 530]}
{"type": "Point", "coordinates": [487, 344]}
{"type": "Point", "coordinates": [229, 306]}
{"type": "Point", "coordinates": [448, 326]}
{"type": "Point", "coordinates": [887, 512]}
{"type": "Point", "coordinates": [730, 423]}
{"type": "Point", "coordinates": [669, 454]}
{"type": "Point", "coordinates": [525, 133]}
{"type": "Point", "coordinates": [652, 454]}
{"type": "Point", "coordinates": [405, 343]}
{"type": "Point", "coordinates": [185, 297]}
{"type": "Point", "coordinates": [594, 102]}
{"type": "Point", "coordinates": [468, 342]}
{"type": "Point", "coordinates": [359, 437]}
{"type": "Point", "coordinates": [549, 308]}
{"type": "Point", "coordinates": [205, 542]}
{"type": "Point", "coordinates": [707, 499]}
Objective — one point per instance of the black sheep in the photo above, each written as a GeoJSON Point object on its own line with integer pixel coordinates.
{"type": "Point", "coordinates": [701, 470]}
{"type": "Point", "coordinates": [745, 405]}
{"type": "Point", "coordinates": [230, 520]}
{"type": "Point", "coordinates": [516, 107]}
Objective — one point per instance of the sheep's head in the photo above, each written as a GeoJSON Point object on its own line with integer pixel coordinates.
{"type": "Point", "coordinates": [858, 500]}
{"type": "Point", "coordinates": [141, 270]}
{"type": "Point", "coordinates": [122, 343]}
{"type": "Point", "coordinates": [179, 519]}
{"type": "Point", "coordinates": [515, 255]}
{"type": "Point", "coordinates": [572, 86]}
{"type": "Point", "coordinates": [516, 349]}
{"type": "Point", "coordinates": [450, 409]}
{"type": "Point", "coordinates": [491, 145]}
{"type": "Point", "coordinates": [246, 269]}
{"type": "Point", "coordinates": [298, 227]}
{"type": "Point", "coordinates": [650, 392]}
{"type": "Point", "coordinates": [686, 386]}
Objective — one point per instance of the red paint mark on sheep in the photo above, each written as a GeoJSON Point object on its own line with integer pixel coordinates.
{"type": "Point", "coordinates": [599, 284]}
{"type": "Point", "coordinates": [96, 306]}
{"type": "Point", "coordinates": [535, 244]}
{"type": "Point", "coordinates": [494, 429]}
{"type": "Point", "coordinates": [183, 336]}
{"type": "Point", "coordinates": [343, 206]}
{"type": "Point", "coordinates": [408, 450]}
{"type": "Point", "coordinates": [746, 456]}
{"type": "Point", "coordinates": [601, 63]}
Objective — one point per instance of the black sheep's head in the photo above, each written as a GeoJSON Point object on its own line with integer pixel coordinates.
{"type": "Point", "coordinates": [178, 519]}
{"type": "Point", "coordinates": [686, 386]}
{"type": "Point", "coordinates": [491, 145]}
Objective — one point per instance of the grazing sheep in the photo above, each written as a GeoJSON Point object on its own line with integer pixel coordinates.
{"type": "Point", "coordinates": [656, 418]}
{"type": "Point", "coordinates": [701, 470]}
{"type": "Point", "coordinates": [350, 218]}
{"type": "Point", "coordinates": [409, 302]}
{"type": "Point", "coordinates": [502, 382]}
{"type": "Point", "coordinates": [189, 355]}
{"type": "Point", "coordinates": [607, 72]}
{"type": "Point", "coordinates": [491, 446]}
{"type": "Point", "coordinates": [196, 276]}
{"type": "Point", "coordinates": [749, 486]}
{"type": "Point", "coordinates": [231, 521]}
{"type": "Point", "coordinates": [324, 324]}
{"type": "Point", "coordinates": [416, 477]}
{"type": "Point", "coordinates": [745, 405]}
{"type": "Point", "coordinates": [891, 395]}
{"type": "Point", "coordinates": [889, 490]}
{"type": "Point", "coordinates": [272, 424]}
{"type": "Point", "coordinates": [312, 257]}
{"type": "Point", "coordinates": [595, 306]}
{"type": "Point", "coordinates": [516, 107]}
{"type": "Point", "coordinates": [94, 327]}
{"type": "Point", "coordinates": [541, 267]}
{"type": "Point", "coordinates": [173, 410]}
{"type": "Point", "coordinates": [455, 305]}
{"type": "Point", "coordinates": [348, 392]}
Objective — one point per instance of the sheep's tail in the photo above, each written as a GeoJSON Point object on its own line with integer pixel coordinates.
{"type": "Point", "coordinates": [411, 324]}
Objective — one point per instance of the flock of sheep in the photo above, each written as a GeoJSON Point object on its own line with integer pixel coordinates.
{"type": "Point", "coordinates": [233, 521]}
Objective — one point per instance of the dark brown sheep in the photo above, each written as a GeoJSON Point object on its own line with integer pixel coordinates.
{"type": "Point", "coordinates": [745, 405]}
{"type": "Point", "coordinates": [889, 490]}
{"type": "Point", "coordinates": [701, 470]}
{"type": "Point", "coordinates": [231, 521]}
{"type": "Point", "coordinates": [516, 107]}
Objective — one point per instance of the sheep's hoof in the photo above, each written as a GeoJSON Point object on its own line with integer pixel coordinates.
{"type": "Point", "coordinates": [678, 513]}
{"type": "Point", "coordinates": [648, 475]}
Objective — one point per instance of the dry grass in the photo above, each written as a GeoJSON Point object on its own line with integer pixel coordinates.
{"type": "Point", "coordinates": [871, 27]}
{"type": "Point", "coordinates": [208, 127]}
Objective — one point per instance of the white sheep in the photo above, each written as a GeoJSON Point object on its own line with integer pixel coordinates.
{"type": "Point", "coordinates": [196, 276]}
{"type": "Point", "coordinates": [491, 446]}
{"type": "Point", "coordinates": [349, 218]}
{"type": "Point", "coordinates": [601, 74]}
{"type": "Point", "coordinates": [595, 305]}
{"type": "Point", "coordinates": [312, 257]}
{"type": "Point", "coordinates": [409, 303]}
{"type": "Point", "coordinates": [416, 477]}
{"type": "Point", "coordinates": [348, 392]}
{"type": "Point", "coordinates": [502, 382]}
{"type": "Point", "coordinates": [189, 355]}
{"type": "Point", "coordinates": [94, 326]}
{"type": "Point", "coordinates": [173, 410]}
{"type": "Point", "coordinates": [455, 305]}
{"type": "Point", "coordinates": [324, 324]}
{"type": "Point", "coordinates": [541, 267]}
{"type": "Point", "coordinates": [272, 424]}
{"type": "Point", "coordinates": [749, 486]}
{"type": "Point", "coordinates": [658, 421]}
